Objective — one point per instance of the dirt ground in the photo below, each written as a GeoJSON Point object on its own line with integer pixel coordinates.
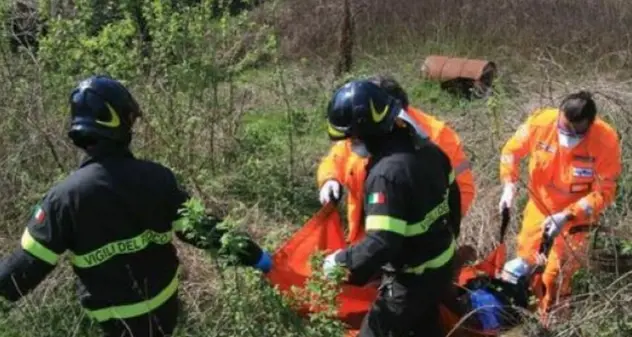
{"type": "Point", "coordinates": [515, 332]}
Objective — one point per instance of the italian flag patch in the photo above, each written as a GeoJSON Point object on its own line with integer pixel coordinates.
{"type": "Point", "coordinates": [39, 215]}
{"type": "Point", "coordinates": [377, 198]}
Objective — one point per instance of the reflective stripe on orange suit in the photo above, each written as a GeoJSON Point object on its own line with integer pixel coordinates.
{"type": "Point", "coordinates": [342, 164]}
{"type": "Point", "coordinates": [581, 180]}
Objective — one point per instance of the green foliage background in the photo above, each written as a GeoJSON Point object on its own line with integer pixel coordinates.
{"type": "Point", "coordinates": [234, 104]}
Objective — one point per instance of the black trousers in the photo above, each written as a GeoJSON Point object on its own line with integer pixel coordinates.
{"type": "Point", "coordinates": [408, 305]}
{"type": "Point", "coordinates": [159, 323]}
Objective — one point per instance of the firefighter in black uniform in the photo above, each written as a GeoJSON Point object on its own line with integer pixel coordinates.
{"type": "Point", "coordinates": [116, 216]}
{"type": "Point", "coordinates": [412, 213]}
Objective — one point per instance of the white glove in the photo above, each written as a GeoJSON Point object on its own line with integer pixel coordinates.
{"type": "Point", "coordinates": [540, 260]}
{"type": "Point", "coordinates": [514, 269]}
{"type": "Point", "coordinates": [552, 225]}
{"type": "Point", "coordinates": [330, 263]}
{"type": "Point", "coordinates": [507, 198]}
{"type": "Point", "coordinates": [330, 191]}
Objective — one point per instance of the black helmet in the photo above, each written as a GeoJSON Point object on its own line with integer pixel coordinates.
{"type": "Point", "coordinates": [102, 108]}
{"type": "Point", "coordinates": [392, 87]}
{"type": "Point", "coordinates": [361, 109]}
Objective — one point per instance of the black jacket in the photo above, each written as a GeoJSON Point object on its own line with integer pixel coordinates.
{"type": "Point", "coordinates": [412, 207]}
{"type": "Point", "coordinates": [115, 217]}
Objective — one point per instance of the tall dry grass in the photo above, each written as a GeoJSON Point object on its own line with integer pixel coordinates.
{"type": "Point", "coordinates": [510, 31]}
{"type": "Point", "coordinates": [254, 143]}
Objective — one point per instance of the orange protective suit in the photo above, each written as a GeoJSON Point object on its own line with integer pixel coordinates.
{"type": "Point", "coordinates": [581, 180]}
{"type": "Point", "coordinates": [348, 168]}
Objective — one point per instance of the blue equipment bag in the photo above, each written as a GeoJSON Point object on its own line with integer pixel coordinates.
{"type": "Point", "coordinates": [495, 302]}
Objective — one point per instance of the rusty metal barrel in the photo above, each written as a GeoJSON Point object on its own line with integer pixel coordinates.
{"type": "Point", "coordinates": [474, 75]}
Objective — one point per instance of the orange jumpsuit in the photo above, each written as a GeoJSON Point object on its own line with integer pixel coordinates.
{"type": "Point", "coordinates": [348, 168]}
{"type": "Point", "coordinates": [581, 180]}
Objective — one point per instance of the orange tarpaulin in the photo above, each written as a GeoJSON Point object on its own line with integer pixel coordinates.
{"type": "Point", "coordinates": [291, 267]}
{"type": "Point", "coordinates": [491, 265]}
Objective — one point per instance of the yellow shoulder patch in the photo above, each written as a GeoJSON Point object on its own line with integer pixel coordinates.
{"type": "Point", "coordinates": [543, 116]}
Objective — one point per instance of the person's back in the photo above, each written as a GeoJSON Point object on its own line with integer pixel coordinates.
{"type": "Point", "coordinates": [119, 206]}
{"type": "Point", "coordinates": [116, 216]}
{"type": "Point", "coordinates": [426, 176]}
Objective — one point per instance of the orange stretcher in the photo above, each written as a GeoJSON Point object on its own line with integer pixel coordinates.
{"type": "Point", "coordinates": [323, 232]}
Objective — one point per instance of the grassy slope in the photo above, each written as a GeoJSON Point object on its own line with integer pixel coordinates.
{"type": "Point", "coordinates": [266, 178]}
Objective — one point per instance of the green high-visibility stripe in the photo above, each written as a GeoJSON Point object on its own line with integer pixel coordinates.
{"type": "Point", "coordinates": [385, 223]}
{"type": "Point", "coordinates": [136, 309]}
{"type": "Point", "coordinates": [435, 263]}
{"type": "Point", "coordinates": [421, 227]}
{"type": "Point", "coordinates": [38, 250]}
{"type": "Point", "coordinates": [127, 246]}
